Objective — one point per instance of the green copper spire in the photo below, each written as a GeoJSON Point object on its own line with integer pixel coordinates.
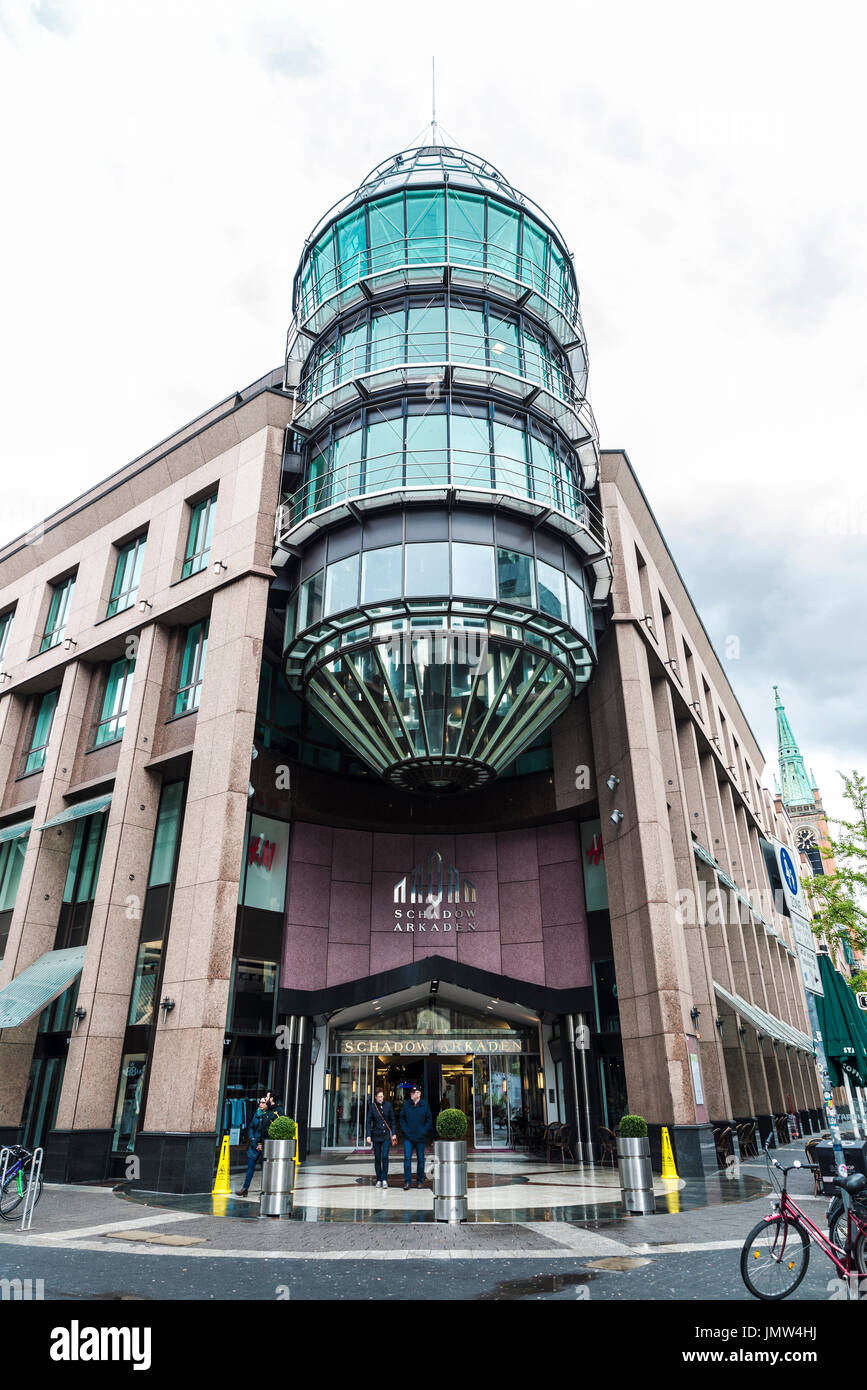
{"type": "Point", "coordinates": [793, 774]}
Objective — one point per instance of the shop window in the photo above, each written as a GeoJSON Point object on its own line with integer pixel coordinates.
{"type": "Point", "coordinates": [192, 668]}
{"type": "Point", "coordinates": [127, 572]}
{"type": "Point", "coordinates": [198, 551]}
{"type": "Point", "coordinates": [115, 703]}
{"type": "Point", "coordinates": [266, 857]}
{"type": "Point", "coordinates": [34, 758]}
{"type": "Point", "coordinates": [253, 1004]}
{"type": "Point", "coordinates": [129, 1098]}
{"type": "Point", "coordinates": [58, 611]}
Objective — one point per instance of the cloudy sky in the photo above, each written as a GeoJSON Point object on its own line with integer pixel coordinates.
{"type": "Point", "coordinates": [162, 164]}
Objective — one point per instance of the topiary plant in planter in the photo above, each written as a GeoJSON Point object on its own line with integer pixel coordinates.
{"type": "Point", "coordinates": [282, 1128]}
{"type": "Point", "coordinates": [632, 1127]}
{"type": "Point", "coordinates": [633, 1160]}
{"type": "Point", "coordinates": [451, 1124]}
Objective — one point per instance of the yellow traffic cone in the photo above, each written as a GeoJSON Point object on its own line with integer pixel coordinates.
{"type": "Point", "coordinates": [668, 1168]}
{"type": "Point", "coordinates": [222, 1187]}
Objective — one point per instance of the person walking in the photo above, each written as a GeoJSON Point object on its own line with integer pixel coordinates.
{"type": "Point", "coordinates": [259, 1126]}
{"type": "Point", "coordinates": [416, 1123]}
{"type": "Point", "coordinates": [381, 1126]}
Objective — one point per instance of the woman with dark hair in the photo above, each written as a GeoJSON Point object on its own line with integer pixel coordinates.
{"type": "Point", "coordinates": [380, 1130]}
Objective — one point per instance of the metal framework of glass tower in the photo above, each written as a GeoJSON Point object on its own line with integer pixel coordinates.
{"type": "Point", "coordinates": [446, 552]}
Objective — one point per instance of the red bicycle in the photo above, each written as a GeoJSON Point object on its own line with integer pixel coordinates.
{"type": "Point", "coordinates": [776, 1252]}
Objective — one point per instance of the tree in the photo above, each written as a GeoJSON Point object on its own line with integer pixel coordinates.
{"type": "Point", "coordinates": [839, 915]}
{"type": "Point", "coordinates": [858, 982]}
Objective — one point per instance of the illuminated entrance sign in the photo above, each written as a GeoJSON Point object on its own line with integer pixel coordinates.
{"type": "Point", "coordinates": [418, 1047]}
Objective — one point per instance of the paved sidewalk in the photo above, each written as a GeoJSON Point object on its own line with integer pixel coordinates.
{"type": "Point", "coordinates": [107, 1220]}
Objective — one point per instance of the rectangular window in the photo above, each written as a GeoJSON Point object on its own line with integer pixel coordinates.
{"type": "Point", "coordinates": [502, 238]}
{"type": "Point", "coordinates": [84, 859]}
{"type": "Point", "coordinates": [58, 611]}
{"type": "Point", "coordinates": [425, 226]}
{"type": "Point", "coordinates": [427, 569]}
{"type": "Point", "coordinates": [352, 247]}
{"type": "Point", "coordinates": [34, 759]}
{"type": "Point", "coordinates": [384, 455]}
{"type": "Point", "coordinates": [473, 571]}
{"type": "Point", "coordinates": [11, 863]}
{"type": "Point", "coordinates": [192, 668]}
{"type": "Point", "coordinates": [266, 856]}
{"type": "Point", "coordinates": [310, 601]}
{"type": "Point", "coordinates": [166, 834]}
{"type": "Point", "coordinates": [515, 577]}
{"type": "Point", "coordinates": [341, 587]}
{"type": "Point", "coordinates": [5, 625]}
{"type": "Point", "coordinates": [466, 228]}
{"type": "Point", "coordinates": [346, 475]}
{"type": "Point", "coordinates": [387, 239]}
{"type": "Point", "coordinates": [115, 703]}
{"type": "Point", "coordinates": [552, 591]}
{"type": "Point", "coordinates": [577, 607]}
{"type": "Point", "coordinates": [124, 590]}
{"type": "Point", "coordinates": [427, 449]}
{"type": "Point", "coordinates": [380, 574]}
{"type": "Point", "coordinates": [471, 449]}
{"type": "Point", "coordinates": [198, 551]}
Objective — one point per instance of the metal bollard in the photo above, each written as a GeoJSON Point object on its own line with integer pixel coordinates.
{"type": "Point", "coordinates": [450, 1180]}
{"type": "Point", "coordinates": [278, 1177]}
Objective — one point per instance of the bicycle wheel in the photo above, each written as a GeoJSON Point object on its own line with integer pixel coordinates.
{"type": "Point", "coordinates": [836, 1223]}
{"type": "Point", "coordinates": [774, 1258]}
{"type": "Point", "coordinates": [859, 1254]}
{"type": "Point", "coordinates": [12, 1194]}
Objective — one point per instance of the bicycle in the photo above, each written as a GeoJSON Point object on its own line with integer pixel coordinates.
{"type": "Point", "coordinates": [15, 1181]}
{"type": "Point", "coordinates": [776, 1252]}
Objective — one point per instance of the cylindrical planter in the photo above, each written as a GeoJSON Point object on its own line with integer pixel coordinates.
{"type": "Point", "coordinates": [636, 1175]}
{"type": "Point", "coordinates": [450, 1180]}
{"type": "Point", "coordinates": [277, 1177]}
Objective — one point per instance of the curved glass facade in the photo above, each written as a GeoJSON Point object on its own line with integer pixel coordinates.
{"type": "Point", "coordinates": [398, 237]}
{"type": "Point", "coordinates": [481, 340]}
{"type": "Point", "coordinates": [438, 360]}
{"type": "Point", "coordinates": [452, 442]}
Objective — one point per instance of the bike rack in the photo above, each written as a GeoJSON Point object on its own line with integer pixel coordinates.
{"type": "Point", "coordinates": [30, 1194]}
{"type": "Point", "coordinates": [4, 1160]}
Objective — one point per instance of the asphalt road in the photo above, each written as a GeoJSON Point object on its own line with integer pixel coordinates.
{"type": "Point", "coordinates": [84, 1276]}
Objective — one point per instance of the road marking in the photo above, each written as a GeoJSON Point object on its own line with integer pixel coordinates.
{"type": "Point", "coordinates": [579, 1240]}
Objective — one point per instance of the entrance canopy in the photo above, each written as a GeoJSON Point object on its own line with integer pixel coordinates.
{"type": "Point", "coordinates": [844, 1032]}
{"type": "Point", "coordinates": [39, 984]}
{"type": "Point", "coordinates": [767, 1024]}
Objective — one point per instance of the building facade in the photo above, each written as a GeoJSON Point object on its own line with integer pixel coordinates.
{"type": "Point", "coordinates": [365, 732]}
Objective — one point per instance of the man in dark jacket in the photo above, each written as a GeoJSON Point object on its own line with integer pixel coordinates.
{"type": "Point", "coordinates": [259, 1126]}
{"type": "Point", "coordinates": [381, 1127]}
{"type": "Point", "coordinates": [416, 1123]}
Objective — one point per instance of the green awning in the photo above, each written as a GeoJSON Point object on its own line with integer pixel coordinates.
{"type": "Point", "coordinates": [39, 984]}
{"type": "Point", "coordinates": [844, 1033]}
{"type": "Point", "coordinates": [763, 1022]}
{"type": "Point", "coordinates": [79, 809]}
{"type": "Point", "coordinates": [15, 832]}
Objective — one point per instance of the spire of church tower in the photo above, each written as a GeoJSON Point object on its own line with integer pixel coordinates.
{"type": "Point", "coordinates": [797, 790]}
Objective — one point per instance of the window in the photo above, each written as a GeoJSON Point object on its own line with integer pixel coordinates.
{"type": "Point", "coordinates": [515, 577]}
{"type": "Point", "coordinates": [5, 625]}
{"type": "Point", "coordinates": [427, 569]}
{"type": "Point", "coordinates": [199, 540]}
{"type": "Point", "coordinates": [192, 668]}
{"type": "Point", "coordinates": [473, 571]}
{"type": "Point", "coordinates": [552, 591]}
{"type": "Point", "coordinates": [341, 589]}
{"type": "Point", "coordinates": [380, 574]}
{"type": "Point", "coordinates": [58, 611]}
{"type": "Point", "coordinates": [124, 590]}
{"type": "Point", "coordinates": [310, 601]}
{"type": "Point", "coordinates": [166, 833]}
{"type": "Point", "coordinates": [11, 863]}
{"type": "Point", "coordinates": [34, 760]}
{"type": "Point", "coordinates": [115, 703]}
{"type": "Point", "coordinates": [84, 861]}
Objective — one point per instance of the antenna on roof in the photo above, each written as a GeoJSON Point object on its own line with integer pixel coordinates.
{"type": "Point", "coordinates": [433, 121]}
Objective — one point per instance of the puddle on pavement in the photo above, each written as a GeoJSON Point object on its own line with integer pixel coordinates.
{"type": "Point", "coordinates": [538, 1284]}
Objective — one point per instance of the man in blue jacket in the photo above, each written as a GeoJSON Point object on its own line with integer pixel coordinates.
{"type": "Point", "coordinates": [416, 1123]}
{"type": "Point", "coordinates": [259, 1126]}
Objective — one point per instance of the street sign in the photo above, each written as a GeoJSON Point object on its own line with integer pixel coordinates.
{"type": "Point", "coordinates": [862, 1000]}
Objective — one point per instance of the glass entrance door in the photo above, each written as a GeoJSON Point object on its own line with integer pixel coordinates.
{"type": "Point", "coordinates": [497, 1100]}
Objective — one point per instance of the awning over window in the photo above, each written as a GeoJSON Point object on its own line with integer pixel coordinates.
{"type": "Point", "coordinates": [15, 832]}
{"type": "Point", "coordinates": [39, 984]}
{"type": "Point", "coordinates": [79, 809]}
{"type": "Point", "coordinates": [766, 1023]}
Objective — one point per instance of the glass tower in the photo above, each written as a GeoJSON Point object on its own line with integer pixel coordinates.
{"type": "Point", "coordinates": [447, 552]}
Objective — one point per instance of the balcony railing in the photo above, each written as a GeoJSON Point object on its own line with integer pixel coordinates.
{"type": "Point", "coordinates": [326, 292]}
